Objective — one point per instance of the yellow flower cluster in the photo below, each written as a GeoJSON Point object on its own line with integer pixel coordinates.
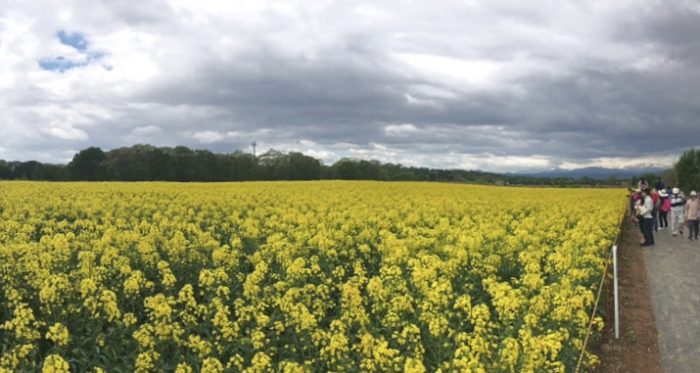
{"type": "Point", "coordinates": [58, 333]}
{"type": "Point", "coordinates": [299, 277]}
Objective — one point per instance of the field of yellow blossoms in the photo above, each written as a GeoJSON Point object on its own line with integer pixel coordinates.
{"type": "Point", "coordinates": [299, 277]}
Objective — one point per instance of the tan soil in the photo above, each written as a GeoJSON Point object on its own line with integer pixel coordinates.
{"type": "Point", "coordinates": [637, 350]}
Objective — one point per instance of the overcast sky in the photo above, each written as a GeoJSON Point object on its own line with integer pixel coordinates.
{"type": "Point", "coordinates": [492, 85]}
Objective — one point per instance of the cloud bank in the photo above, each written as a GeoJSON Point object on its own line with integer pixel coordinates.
{"type": "Point", "coordinates": [492, 85]}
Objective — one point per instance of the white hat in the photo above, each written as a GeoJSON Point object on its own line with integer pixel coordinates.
{"type": "Point", "coordinates": [638, 190]}
{"type": "Point", "coordinates": [676, 191]}
{"type": "Point", "coordinates": [662, 193]}
{"type": "Point", "coordinates": [693, 194]}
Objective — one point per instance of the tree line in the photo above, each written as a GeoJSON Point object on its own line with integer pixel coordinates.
{"type": "Point", "coordinates": [150, 163]}
{"type": "Point", "coordinates": [687, 170]}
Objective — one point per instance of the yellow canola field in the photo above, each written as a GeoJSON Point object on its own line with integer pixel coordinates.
{"type": "Point", "coordinates": [299, 276]}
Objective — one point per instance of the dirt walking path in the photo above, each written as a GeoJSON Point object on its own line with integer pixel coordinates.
{"type": "Point", "coordinates": [637, 350]}
{"type": "Point", "coordinates": [673, 270]}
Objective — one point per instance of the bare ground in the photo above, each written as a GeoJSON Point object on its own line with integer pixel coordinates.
{"type": "Point", "coordinates": [637, 350]}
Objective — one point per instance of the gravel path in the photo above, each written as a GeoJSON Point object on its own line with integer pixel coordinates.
{"type": "Point", "coordinates": [673, 270]}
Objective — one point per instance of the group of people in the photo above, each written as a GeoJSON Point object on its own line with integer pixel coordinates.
{"type": "Point", "coordinates": [653, 207]}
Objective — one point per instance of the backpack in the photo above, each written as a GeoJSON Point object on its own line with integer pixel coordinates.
{"type": "Point", "coordinates": [666, 206]}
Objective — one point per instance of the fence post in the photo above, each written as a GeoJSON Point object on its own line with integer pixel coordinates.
{"type": "Point", "coordinates": [617, 308]}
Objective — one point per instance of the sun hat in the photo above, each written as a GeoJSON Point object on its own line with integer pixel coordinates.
{"type": "Point", "coordinates": [676, 191]}
{"type": "Point", "coordinates": [662, 193]}
{"type": "Point", "coordinates": [693, 194]}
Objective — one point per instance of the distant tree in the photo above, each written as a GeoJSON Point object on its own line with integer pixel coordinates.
{"type": "Point", "coordinates": [391, 171]}
{"type": "Point", "coordinates": [161, 164]}
{"type": "Point", "coordinates": [669, 177]}
{"type": "Point", "coordinates": [346, 169]}
{"type": "Point", "coordinates": [688, 170]}
{"type": "Point", "coordinates": [369, 170]}
{"type": "Point", "coordinates": [145, 162]}
{"type": "Point", "coordinates": [304, 167]}
{"type": "Point", "coordinates": [54, 172]}
{"type": "Point", "coordinates": [88, 165]}
{"type": "Point", "coordinates": [127, 164]}
{"type": "Point", "coordinates": [30, 170]}
{"type": "Point", "coordinates": [184, 159]}
{"type": "Point", "coordinates": [327, 172]}
{"type": "Point", "coordinates": [206, 166]}
{"type": "Point", "coordinates": [238, 166]}
{"type": "Point", "coordinates": [275, 165]}
{"type": "Point", "coordinates": [5, 170]}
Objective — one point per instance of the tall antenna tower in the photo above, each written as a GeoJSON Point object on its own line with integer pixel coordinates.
{"type": "Point", "coordinates": [254, 144]}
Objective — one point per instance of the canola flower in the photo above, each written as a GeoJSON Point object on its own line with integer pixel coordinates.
{"type": "Point", "coordinates": [299, 277]}
{"type": "Point", "coordinates": [58, 333]}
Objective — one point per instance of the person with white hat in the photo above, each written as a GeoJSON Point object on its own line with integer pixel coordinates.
{"type": "Point", "coordinates": [691, 214]}
{"type": "Point", "coordinates": [677, 210]}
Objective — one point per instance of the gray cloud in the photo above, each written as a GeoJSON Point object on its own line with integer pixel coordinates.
{"type": "Point", "coordinates": [491, 85]}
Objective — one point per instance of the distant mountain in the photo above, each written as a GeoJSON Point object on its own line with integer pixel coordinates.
{"type": "Point", "coordinates": [596, 172]}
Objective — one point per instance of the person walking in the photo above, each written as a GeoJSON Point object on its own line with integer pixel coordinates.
{"type": "Point", "coordinates": [677, 211]}
{"type": "Point", "coordinates": [645, 211]}
{"type": "Point", "coordinates": [664, 209]}
{"type": "Point", "coordinates": [691, 214]}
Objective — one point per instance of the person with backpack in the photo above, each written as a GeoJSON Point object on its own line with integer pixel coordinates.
{"type": "Point", "coordinates": [677, 211]}
{"type": "Point", "coordinates": [664, 209]}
